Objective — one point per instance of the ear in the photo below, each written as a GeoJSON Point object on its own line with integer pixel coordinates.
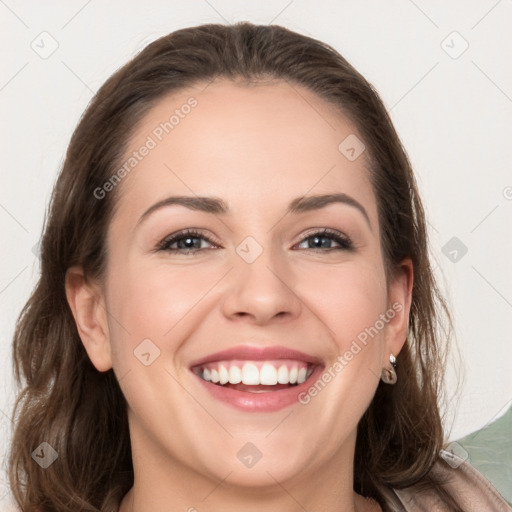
{"type": "Point", "coordinates": [87, 303]}
{"type": "Point", "coordinates": [399, 300]}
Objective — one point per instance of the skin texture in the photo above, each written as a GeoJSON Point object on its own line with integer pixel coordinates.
{"type": "Point", "coordinates": [257, 148]}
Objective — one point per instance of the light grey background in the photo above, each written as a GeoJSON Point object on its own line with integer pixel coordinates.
{"type": "Point", "coordinates": [452, 107]}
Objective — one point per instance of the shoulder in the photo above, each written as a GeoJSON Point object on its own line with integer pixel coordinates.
{"type": "Point", "coordinates": [462, 482]}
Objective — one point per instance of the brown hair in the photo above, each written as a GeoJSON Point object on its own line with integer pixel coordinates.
{"type": "Point", "coordinates": [80, 411]}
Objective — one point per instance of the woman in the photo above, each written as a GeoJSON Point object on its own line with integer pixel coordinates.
{"type": "Point", "coordinates": [236, 309]}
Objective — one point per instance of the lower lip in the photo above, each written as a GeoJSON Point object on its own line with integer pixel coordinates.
{"type": "Point", "coordinates": [268, 401]}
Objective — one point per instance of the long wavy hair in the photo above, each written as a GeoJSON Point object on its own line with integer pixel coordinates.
{"type": "Point", "coordinates": [81, 412]}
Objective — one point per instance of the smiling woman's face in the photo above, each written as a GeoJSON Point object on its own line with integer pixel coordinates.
{"type": "Point", "coordinates": [258, 276]}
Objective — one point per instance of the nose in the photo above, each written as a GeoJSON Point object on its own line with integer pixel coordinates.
{"type": "Point", "coordinates": [261, 291]}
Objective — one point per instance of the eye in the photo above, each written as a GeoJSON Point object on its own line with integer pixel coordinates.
{"type": "Point", "coordinates": [187, 241]}
{"type": "Point", "coordinates": [190, 241]}
{"type": "Point", "coordinates": [323, 239]}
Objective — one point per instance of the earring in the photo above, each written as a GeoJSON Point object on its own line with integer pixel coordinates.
{"type": "Point", "coordinates": [388, 375]}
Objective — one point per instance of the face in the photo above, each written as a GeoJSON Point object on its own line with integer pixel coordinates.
{"type": "Point", "coordinates": [262, 288]}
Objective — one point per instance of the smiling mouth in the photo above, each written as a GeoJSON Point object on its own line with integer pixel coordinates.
{"type": "Point", "coordinates": [255, 376]}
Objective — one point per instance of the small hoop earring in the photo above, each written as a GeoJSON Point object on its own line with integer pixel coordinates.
{"type": "Point", "coordinates": [388, 375]}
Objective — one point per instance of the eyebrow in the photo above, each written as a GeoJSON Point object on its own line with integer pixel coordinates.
{"type": "Point", "coordinates": [217, 206]}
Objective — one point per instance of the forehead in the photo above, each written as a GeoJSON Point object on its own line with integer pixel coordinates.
{"type": "Point", "coordinates": [256, 145]}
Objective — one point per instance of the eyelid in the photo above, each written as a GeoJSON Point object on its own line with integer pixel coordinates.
{"type": "Point", "coordinates": [326, 231]}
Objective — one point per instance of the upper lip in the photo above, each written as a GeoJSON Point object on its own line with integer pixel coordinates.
{"type": "Point", "coordinates": [254, 353]}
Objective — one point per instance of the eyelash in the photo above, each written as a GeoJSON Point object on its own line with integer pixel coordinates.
{"type": "Point", "coordinates": [344, 241]}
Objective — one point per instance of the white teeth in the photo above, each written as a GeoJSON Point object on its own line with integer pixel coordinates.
{"type": "Point", "coordinates": [250, 374]}
{"type": "Point", "coordinates": [235, 375]}
{"type": "Point", "coordinates": [223, 374]}
{"type": "Point", "coordinates": [253, 373]}
{"type": "Point", "coordinates": [268, 375]}
{"type": "Point", "coordinates": [283, 375]}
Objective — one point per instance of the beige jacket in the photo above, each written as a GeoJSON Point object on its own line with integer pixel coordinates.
{"type": "Point", "coordinates": [468, 487]}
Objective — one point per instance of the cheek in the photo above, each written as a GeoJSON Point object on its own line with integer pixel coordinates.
{"type": "Point", "coordinates": [348, 302]}
{"type": "Point", "coordinates": [155, 302]}
{"type": "Point", "coordinates": [347, 299]}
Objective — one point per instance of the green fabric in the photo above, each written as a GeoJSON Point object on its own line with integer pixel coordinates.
{"type": "Point", "coordinates": [490, 451]}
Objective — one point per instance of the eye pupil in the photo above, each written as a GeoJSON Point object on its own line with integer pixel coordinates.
{"type": "Point", "coordinates": [187, 241]}
{"type": "Point", "coordinates": [325, 242]}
